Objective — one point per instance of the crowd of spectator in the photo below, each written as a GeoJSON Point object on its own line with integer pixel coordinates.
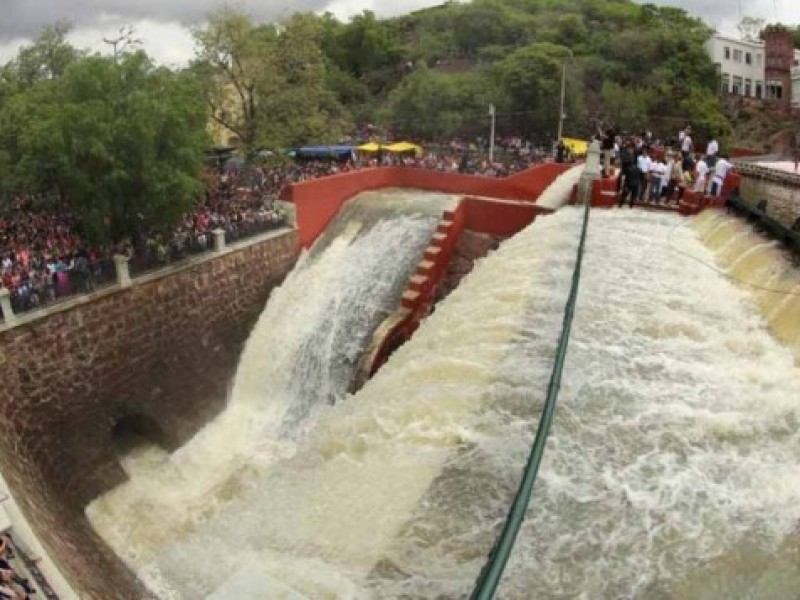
{"type": "Point", "coordinates": [658, 172]}
{"type": "Point", "coordinates": [13, 586]}
{"type": "Point", "coordinates": [44, 258]}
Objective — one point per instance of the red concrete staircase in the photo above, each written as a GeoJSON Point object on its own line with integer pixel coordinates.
{"type": "Point", "coordinates": [418, 298]}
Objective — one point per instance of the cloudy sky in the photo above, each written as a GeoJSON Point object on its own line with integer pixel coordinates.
{"type": "Point", "coordinates": [161, 24]}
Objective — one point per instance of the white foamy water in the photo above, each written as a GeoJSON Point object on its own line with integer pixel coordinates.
{"type": "Point", "coordinates": [675, 443]}
{"type": "Point", "coordinates": [558, 196]}
{"type": "Point", "coordinates": [298, 362]}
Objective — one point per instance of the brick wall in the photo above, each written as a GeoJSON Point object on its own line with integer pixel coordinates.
{"type": "Point", "coordinates": [778, 56]}
{"type": "Point", "coordinates": [162, 351]}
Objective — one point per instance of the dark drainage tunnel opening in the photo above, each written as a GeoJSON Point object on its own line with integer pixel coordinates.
{"type": "Point", "coordinates": [138, 436]}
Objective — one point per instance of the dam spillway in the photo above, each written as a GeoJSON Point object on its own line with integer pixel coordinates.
{"type": "Point", "coordinates": [674, 446]}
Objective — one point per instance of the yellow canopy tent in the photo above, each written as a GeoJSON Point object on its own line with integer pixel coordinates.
{"type": "Point", "coordinates": [405, 147]}
{"type": "Point", "coordinates": [371, 147]}
{"type": "Point", "coordinates": [576, 146]}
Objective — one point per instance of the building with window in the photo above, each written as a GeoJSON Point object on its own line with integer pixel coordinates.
{"type": "Point", "coordinates": [740, 64]}
{"type": "Point", "coordinates": [768, 69]}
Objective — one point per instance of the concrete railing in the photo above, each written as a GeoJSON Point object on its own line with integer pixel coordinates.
{"type": "Point", "coordinates": [9, 317]}
{"type": "Point", "coordinates": [757, 171]}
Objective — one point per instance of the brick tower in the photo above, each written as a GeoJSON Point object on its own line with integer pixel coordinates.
{"type": "Point", "coordinates": [779, 54]}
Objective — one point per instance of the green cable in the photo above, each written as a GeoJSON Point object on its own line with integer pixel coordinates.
{"type": "Point", "coordinates": [492, 572]}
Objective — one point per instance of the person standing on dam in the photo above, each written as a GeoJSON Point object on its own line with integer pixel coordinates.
{"type": "Point", "coordinates": [630, 173]}
{"type": "Point", "coordinates": [701, 169]}
{"type": "Point", "coordinates": [721, 169]}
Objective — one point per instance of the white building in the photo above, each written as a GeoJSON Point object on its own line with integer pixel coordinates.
{"type": "Point", "coordinates": [740, 64]}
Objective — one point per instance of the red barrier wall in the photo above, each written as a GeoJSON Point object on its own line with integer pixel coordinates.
{"type": "Point", "coordinates": [604, 192]}
{"type": "Point", "coordinates": [318, 201]}
{"type": "Point", "coordinates": [694, 203]}
{"type": "Point", "coordinates": [536, 179]}
{"type": "Point", "coordinates": [744, 152]}
{"type": "Point", "coordinates": [499, 218]}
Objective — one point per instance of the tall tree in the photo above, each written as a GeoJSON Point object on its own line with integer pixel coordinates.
{"type": "Point", "coordinates": [300, 108]}
{"type": "Point", "coordinates": [233, 58]}
{"type": "Point", "coordinates": [530, 81]}
{"type": "Point", "coordinates": [123, 141]}
{"type": "Point", "coordinates": [47, 57]}
{"type": "Point", "coordinates": [266, 84]}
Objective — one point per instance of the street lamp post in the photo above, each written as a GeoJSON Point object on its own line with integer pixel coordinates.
{"type": "Point", "coordinates": [492, 114]}
{"type": "Point", "coordinates": [561, 115]}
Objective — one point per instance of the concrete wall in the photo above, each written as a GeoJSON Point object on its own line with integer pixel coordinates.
{"type": "Point", "coordinates": [162, 351]}
{"type": "Point", "coordinates": [319, 200]}
{"type": "Point", "coordinates": [783, 200]}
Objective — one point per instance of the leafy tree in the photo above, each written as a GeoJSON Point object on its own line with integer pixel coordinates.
{"type": "Point", "coordinates": [268, 85]}
{"type": "Point", "coordinates": [123, 142]}
{"type": "Point", "coordinates": [46, 58]}
{"type": "Point", "coordinates": [703, 109]}
{"type": "Point", "coordinates": [300, 108]}
{"type": "Point", "coordinates": [432, 105]}
{"type": "Point", "coordinates": [487, 22]}
{"type": "Point", "coordinates": [364, 47]}
{"type": "Point", "coordinates": [233, 61]}
{"type": "Point", "coordinates": [625, 107]}
{"type": "Point", "coordinates": [630, 45]}
{"type": "Point", "coordinates": [530, 82]}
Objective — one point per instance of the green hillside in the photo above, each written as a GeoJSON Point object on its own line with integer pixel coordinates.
{"type": "Point", "coordinates": [435, 71]}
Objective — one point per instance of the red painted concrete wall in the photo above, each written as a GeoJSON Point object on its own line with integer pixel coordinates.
{"type": "Point", "coordinates": [318, 201]}
{"type": "Point", "coordinates": [604, 195]}
{"type": "Point", "coordinates": [743, 152]}
{"type": "Point", "coordinates": [536, 179]}
{"type": "Point", "coordinates": [499, 218]}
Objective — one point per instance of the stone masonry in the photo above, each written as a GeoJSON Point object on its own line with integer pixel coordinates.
{"type": "Point", "coordinates": [161, 352]}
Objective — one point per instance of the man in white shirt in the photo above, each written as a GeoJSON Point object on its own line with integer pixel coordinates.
{"type": "Point", "coordinates": [712, 148]}
{"type": "Point", "coordinates": [666, 175]}
{"type": "Point", "coordinates": [657, 169]}
{"type": "Point", "coordinates": [687, 145]}
{"type": "Point", "coordinates": [702, 176]}
{"type": "Point", "coordinates": [720, 171]}
{"type": "Point", "coordinates": [643, 162]}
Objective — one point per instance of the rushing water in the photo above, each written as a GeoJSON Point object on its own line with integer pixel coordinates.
{"type": "Point", "coordinates": [759, 266]}
{"type": "Point", "coordinates": [298, 362]}
{"type": "Point", "coordinates": [673, 468]}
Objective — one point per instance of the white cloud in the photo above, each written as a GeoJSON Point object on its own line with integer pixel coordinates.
{"type": "Point", "coordinates": [168, 40]}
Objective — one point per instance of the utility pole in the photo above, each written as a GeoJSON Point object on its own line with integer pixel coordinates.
{"type": "Point", "coordinates": [561, 115]}
{"type": "Point", "coordinates": [491, 134]}
{"type": "Point", "coordinates": [123, 41]}
{"type": "Point", "coordinates": [561, 105]}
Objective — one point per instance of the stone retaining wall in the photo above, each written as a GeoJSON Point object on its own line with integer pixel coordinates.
{"type": "Point", "coordinates": [782, 195]}
{"type": "Point", "coordinates": [162, 351]}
